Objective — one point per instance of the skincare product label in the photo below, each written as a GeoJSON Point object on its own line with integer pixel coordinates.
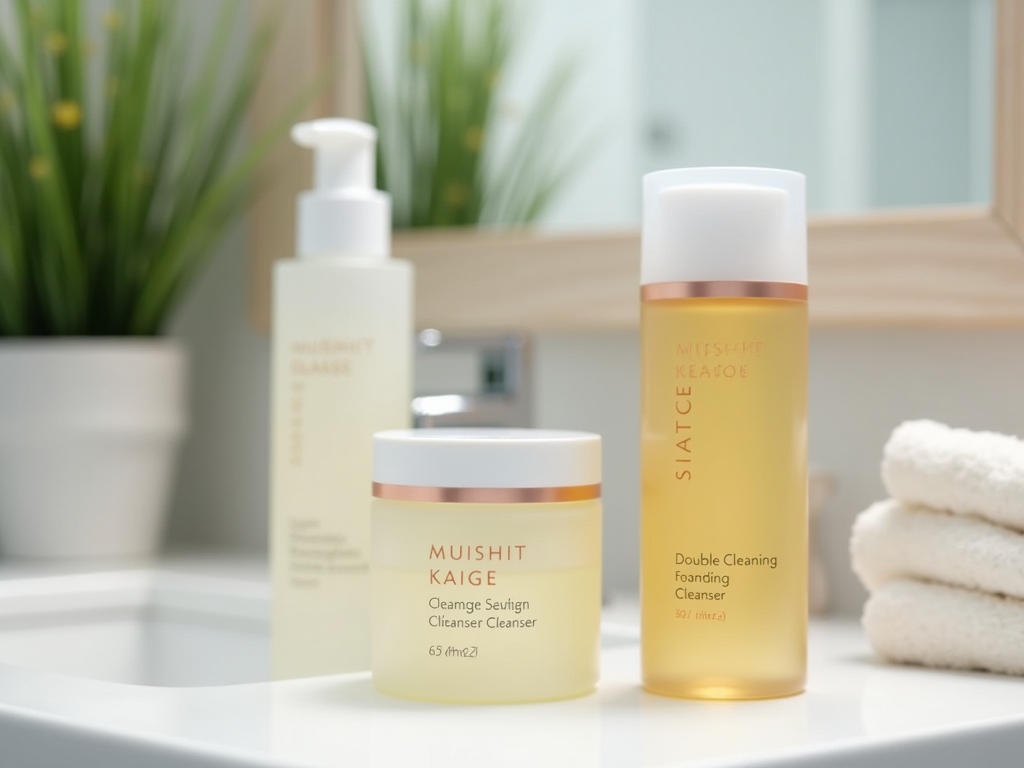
{"type": "Point", "coordinates": [486, 603]}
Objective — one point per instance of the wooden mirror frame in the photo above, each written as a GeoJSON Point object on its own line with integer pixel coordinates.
{"type": "Point", "coordinates": [955, 266]}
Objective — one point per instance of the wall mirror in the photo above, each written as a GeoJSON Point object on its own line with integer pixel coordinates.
{"type": "Point", "coordinates": [906, 115]}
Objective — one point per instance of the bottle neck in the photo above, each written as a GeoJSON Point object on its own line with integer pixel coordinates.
{"type": "Point", "coordinates": [347, 223]}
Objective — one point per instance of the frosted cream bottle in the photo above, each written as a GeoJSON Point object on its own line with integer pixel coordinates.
{"type": "Point", "coordinates": [486, 564]}
{"type": "Point", "coordinates": [342, 335]}
{"type": "Point", "coordinates": [723, 433]}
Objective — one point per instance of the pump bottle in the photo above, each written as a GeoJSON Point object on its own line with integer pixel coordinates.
{"type": "Point", "coordinates": [341, 359]}
{"type": "Point", "coordinates": [724, 433]}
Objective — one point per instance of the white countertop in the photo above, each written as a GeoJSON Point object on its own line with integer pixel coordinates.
{"type": "Point", "coordinates": [856, 711]}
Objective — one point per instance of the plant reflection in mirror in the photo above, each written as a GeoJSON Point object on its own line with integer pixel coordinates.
{"type": "Point", "coordinates": [449, 153]}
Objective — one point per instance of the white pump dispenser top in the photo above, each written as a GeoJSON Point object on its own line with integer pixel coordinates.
{"type": "Point", "coordinates": [344, 214]}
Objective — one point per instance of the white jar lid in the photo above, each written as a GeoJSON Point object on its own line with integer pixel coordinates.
{"type": "Point", "coordinates": [548, 462]}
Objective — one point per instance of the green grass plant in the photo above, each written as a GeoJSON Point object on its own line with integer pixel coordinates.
{"type": "Point", "coordinates": [439, 114]}
{"type": "Point", "coordinates": [119, 173]}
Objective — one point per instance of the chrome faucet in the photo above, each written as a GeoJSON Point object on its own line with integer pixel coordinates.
{"type": "Point", "coordinates": [499, 393]}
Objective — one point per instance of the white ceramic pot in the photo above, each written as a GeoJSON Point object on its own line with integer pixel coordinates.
{"type": "Point", "coordinates": [89, 433]}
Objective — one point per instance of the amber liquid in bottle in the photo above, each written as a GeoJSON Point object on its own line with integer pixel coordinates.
{"type": "Point", "coordinates": [724, 497]}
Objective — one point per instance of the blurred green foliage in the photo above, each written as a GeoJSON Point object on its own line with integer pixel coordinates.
{"type": "Point", "coordinates": [119, 172]}
{"type": "Point", "coordinates": [438, 113]}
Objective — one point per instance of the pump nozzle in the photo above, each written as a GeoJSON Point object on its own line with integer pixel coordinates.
{"type": "Point", "coordinates": [344, 213]}
{"type": "Point", "coordinates": [344, 151]}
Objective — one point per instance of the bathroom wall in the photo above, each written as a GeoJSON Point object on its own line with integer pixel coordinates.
{"type": "Point", "coordinates": [220, 498]}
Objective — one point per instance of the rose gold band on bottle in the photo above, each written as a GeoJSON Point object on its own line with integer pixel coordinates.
{"type": "Point", "coordinates": [733, 289]}
{"type": "Point", "coordinates": [486, 495]}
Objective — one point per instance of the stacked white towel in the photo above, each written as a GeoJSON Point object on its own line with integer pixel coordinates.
{"type": "Point", "coordinates": [969, 473]}
{"type": "Point", "coordinates": [944, 558]}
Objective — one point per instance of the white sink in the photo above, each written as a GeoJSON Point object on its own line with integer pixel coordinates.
{"type": "Point", "coordinates": [161, 669]}
{"type": "Point", "coordinates": [138, 627]}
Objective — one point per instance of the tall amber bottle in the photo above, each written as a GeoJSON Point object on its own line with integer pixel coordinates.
{"type": "Point", "coordinates": [724, 433]}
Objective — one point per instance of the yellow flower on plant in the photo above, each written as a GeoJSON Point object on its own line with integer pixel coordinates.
{"type": "Point", "coordinates": [473, 138]}
{"type": "Point", "coordinates": [56, 43]}
{"type": "Point", "coordinates": [419, 52]}
{"type": "Point", "coordinates": [39, 167]}
{"type": "Point", "coordinates": [143, 174]}
{"type": "Point", "coordinates": [456, 194]}
{"type": "Point", "coordinates": [66, 114]}
{"type": "Point", "coordinates": [112, 20]}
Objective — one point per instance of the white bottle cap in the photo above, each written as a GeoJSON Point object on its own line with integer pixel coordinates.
{"type": "Point", "coordinates": [709, 224]}
{"type": "Point", "coordinates": [475, 458]}
{"type": "Point", "coordinates": [344, 214]}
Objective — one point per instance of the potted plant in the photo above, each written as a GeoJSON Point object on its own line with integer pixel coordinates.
{"type": "Point", "coordinates": [118, 175]}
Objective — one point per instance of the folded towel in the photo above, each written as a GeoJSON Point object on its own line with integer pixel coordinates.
{"type": "Point", "coordinates": [893, 541]}
{"type": "Point", "coordinates": [940, 626]}
{"type": "Point", "coordinates": [979, 473]}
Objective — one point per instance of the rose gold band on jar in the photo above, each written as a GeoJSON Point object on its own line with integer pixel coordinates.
{"type": "Point", "coordinates": [733, 289]}
{"type": "Point", "coordinates": [486, 495]}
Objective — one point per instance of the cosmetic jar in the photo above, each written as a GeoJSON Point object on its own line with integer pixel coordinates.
{"type": "Point", "coordinates": [486, 564]}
